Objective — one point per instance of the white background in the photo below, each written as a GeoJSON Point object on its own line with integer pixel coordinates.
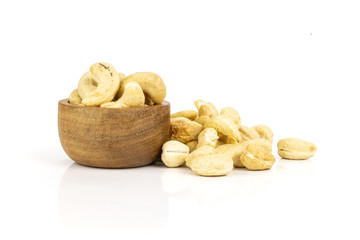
{"type": "Point", "coordinates": [292, 65]}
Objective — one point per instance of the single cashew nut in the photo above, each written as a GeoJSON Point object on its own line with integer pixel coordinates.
{"type": "Point", "coordinates": [212, 165]}
{"type": "Point", "coordinates": [264, 132]}
{"type": "Point", "coordinates": [100, 85]}
{"type": "Point", "coordinates": [184, 130]}
{"type": "Point", "coordinates": [151, 84]}
{"type": "Point", "coordinates": [198, 103]}
{"type": "Point", "coordinates": [74, 98]}
{"type": "Point", "coordinates": [192, 145]}
{"type": "Point", "coordinates": [224, 126]}
{"type": "Point", "coordinates": [260, 142]}
{"type": "Point", "coordinates": [248, 133]}
{"type": "Point", "coordinates": [202, 119]}
{"type": "Point", "coordinates": [234, 151]}
{"type": "Point", "coordinates": [133, 96]}
{"type": "Point", "coordinates": [207, 137]}
{"type": "Point", "coordinates": [257, 157]}
{"type": "Point", "coordinates": [190, 114]}
{"type": "Point", "coordinates": [174, 153]}
{"type": "Point", "coordinates": [232, 115]}
{"type": "Point", "coordinates": [295, 148]}
{"type": "Point", "coordinates": [202, 151]}
{"type": "Point", "coordinates": [208, 109]}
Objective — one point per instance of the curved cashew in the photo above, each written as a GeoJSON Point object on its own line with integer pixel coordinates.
{"type": "Point", "coordinates": [174, 153]}
{"type": "Point", "coordinates": [202, 151]}
{"type": "Point", "coordinates": [202, 119]}
{"type": "Point", "coordinates": [234, 151]}
{"type": "Point", "coordinates": [151, 84]}
{"type": "Point", "coordinates": [208, 109]}
{"type": "Point", "coordinates": [74, 98]}
{"type": "Point", "coordinates": [212, 165]}
{"type": "Point", "coordinates": [295, 148]}
{"type": "Point", "coordinates": [133, 96]}
{"type": "Point", "coordinates": [259, 142]}
{"type": "Point", "coordinates": [190, 114]}
{"type": "Point", "coordinates": [264, 132]}
{"type": "Point", "coordinates": [184, 130]}
{"type": "Point", "coordinates": [207, 137]}
{"type": "Point", "coordinates": [198, 103]}
{"type": "Point", "coordinates": [192, 145]}
{"type": "Point", "coordinates": [100, 85]}
{"type": "Point", "coordinates": [232, 115]}
{"type": "Point", "coordinates": [226, 127]}
{"type": "Point", "coordinates": [257, 157]}
{"type": "Point", "coordinates": [248, 133]}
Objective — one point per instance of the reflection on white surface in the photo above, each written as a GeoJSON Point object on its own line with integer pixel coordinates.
{"type": "Point", "coordinates": [112, 199]}
{"type": "Point", "coordinates": [295, 168]}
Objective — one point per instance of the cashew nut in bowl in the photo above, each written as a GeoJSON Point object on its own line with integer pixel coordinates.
{"type": "Point", "coordinates": [133, 96]}
{"type": "Point", "coordinates": [151, 84]}
{"type": "Point", "coordinates": [100, 85]}
{"type": "Point", "coordinates": [74, 98]}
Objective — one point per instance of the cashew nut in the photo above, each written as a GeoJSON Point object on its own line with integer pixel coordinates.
{"type": "Point", "coordinates": [74, 98]}
{"type": "Point", "coordinates": [232, 115]}
{"type": "Point", "coordinates": [151, 84]}
{"type": "Point", "coordinates": [207, 137]}
{"type": "Point", "coordinates": [192, 145]}
{"type": "Point", "coordinates": [295, 148]}
{"type": "Point", "coordinates": [248, 133]}
{"type": "Point", "coordinates": [202, 119]}
{"type": "Point", "coordinates": [184, 130]}
{"type": "Point", "coordinates": [190, 114]}
{"type": "Point", "coordinates": [234, 151]}
{"type": "Point", "coordinates": [174, 153]}
{"type": "Point", "coordinates": [100, 85]}
{"type": "Point", "coordinates": [224, 126]}
{"type": "Point", "coordinates": [133, 96]}
{"type": "Point", "coordinates": [257, 157]}
{"type": "Point", "coordinates": [260, 142]}
{"type": "Point", "coordinates": [264, 132]}
{"type": "Point", "coordinates": [198, 103]}
{"type": "Point", "coordinates": [212, 165]}
{"type": "Point", "coordinates": [202, 151]}
{"type": "Point", "coordinates": [208, 109]}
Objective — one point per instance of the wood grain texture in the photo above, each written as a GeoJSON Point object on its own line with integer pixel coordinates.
{"type": "Point", "coordinates": [113, 138]}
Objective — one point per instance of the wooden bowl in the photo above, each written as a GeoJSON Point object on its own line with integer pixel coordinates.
{"type": "Point", "coordinates": [113, 138]}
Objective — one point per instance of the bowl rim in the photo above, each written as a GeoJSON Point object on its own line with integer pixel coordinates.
{"type": "Point", "coordinates": [66, 102]}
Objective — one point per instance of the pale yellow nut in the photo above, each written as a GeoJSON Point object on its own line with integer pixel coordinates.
{"type": "Point", "coordinates": [198, 103]}
{"type": "Point", "coordinates": [224, 126]}
{"type": "Point", "coordinates": [207, 137]}
{"type": "Point", "coordinates": [260, 142]}
{"type": "Point", "coordinates": [234, 151]}
{"type": "Point", "coordinates": [100, 85]}
{"type": "Point", "coordinates": [151, 84]}
{"type": "Point", "coordinates": [192, 145]}
{"type": "Point", "coordinates": [264, 132]}
{"type": "Point", "coordinates": [231, 114]}
{"type": "Point", "coordinates": [74, 98]}
{"type": "Point", "coordinates": [248, 133]}
{"type": "Point", "coordinates": [174, 153]}
{"type": "Point", "coordinates": [295, 148]}
{"type": "Point", "coordinates": [202, 151]}
{"type": "Point", "coordinates": [133, 96]}
{"type": "Point", "coordinates": [208, 109]}
{"type": "Point", "coordinates": [190, 114]}
{"type": "Point", "coordinates": [212, 165]}
{"type": "Point", "coordinates": [202, 119]}
{"type": "Point", "coordinates": [184, 130]}
{"type": "Point", "coordinates": [219, 143]}
{"type": "Point", "coordinates": [148, 101]}
{"type": "Point", "coordinates": [257, 157]}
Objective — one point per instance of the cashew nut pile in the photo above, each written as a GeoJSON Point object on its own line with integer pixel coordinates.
{"type": "Point", "coordinates": [103, 86]}
{"type": "Point", "coordinates": [212, 143]}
